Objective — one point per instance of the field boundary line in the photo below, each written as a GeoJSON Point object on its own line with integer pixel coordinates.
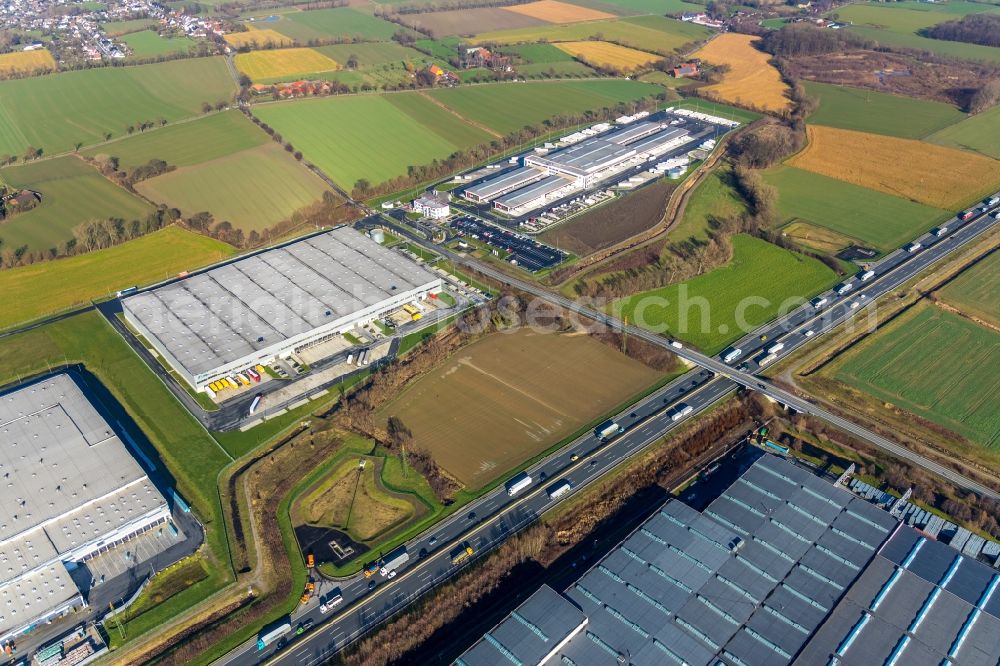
{"type": "Point", "coordinates": [445, 107]}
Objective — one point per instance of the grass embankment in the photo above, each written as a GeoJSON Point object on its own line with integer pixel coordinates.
{"type": "Point", "coordinates": [43, 289]}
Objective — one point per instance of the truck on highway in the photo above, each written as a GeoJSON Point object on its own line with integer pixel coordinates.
{"type": "Point", "coordinates": [992, 201]}
{"type": "Point", "coordinates": [843, 288]}
{"type": "Point", "coordinates": [939, 231]}
{"type": "Point", "coordinates": [607, 430]}
{"type": "Point", "coordinates": [277, 631]}
{"type": "Point", "coordinates": [393, 561]}
{"type": "Point", "coordinates": [913, 247]}
{"type": "Point", "coordinates": [518, 483]}
{"type": "Point", "coordinates": [818, 302]}
{"type": "Point", "coordinates": [461, 554]}
{"type": "Point", "coordinates": [558, 489]}
{"type": "Point", "coordinates": [680, 411]}
{"type": "Point", "coordinates": [966, 215]}
{"type": "Point", "coordinates": [864, 276]}
{"type": "Point", "coordinates": [775, 348]}
{"type": "Point", "coordinates": [732, 355]}
{"type": "Point", "coordinates": [768, 358]}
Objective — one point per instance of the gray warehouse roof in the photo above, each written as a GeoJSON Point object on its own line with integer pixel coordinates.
{"type": "Point", "coordinates": [544, 621]}
{"type": "Point", "coordinates": [219, 316]}
{"type": "Point", "coordinates": [747, 582]}
{"type": "Point", "coordinates": [528, 194]}
{"type": "Point", "coordinates": [504, 183]}
{"type": "Point", "coordinates": [920, 602]}
{"type": "Point", "coordinates": [658, 139]}
{"type": "Point", "coordinates": [585, 157]}
{"type": "Point", "coordinates": [634, 132]}
{"type": "Point", "coordinates": [69, 482]}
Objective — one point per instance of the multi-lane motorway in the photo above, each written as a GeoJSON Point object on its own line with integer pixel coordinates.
{"type": "Point", "coordinates": [494, 517]}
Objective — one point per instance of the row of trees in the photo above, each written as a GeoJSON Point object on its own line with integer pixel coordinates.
{"type": "Point", "coordinates": [981, 29]}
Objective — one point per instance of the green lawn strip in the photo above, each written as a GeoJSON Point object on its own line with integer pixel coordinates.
{"type": "Point", "coordinates": [884, 221]}
{"type": "Point", "coordinates": [977, 133]}
{"type": "Point", "coordinates": [353, 339]}
{"type": "Point", "coordinates": [447, 299]}
{"type": "Point", "coordinates": [449, 267]}
{"type": "Point", "coordinates": [959, 355]}
{"type": "Point", "coordinates": [881, 113]}
{"type": "Point", "coordinates": [706, 310]}
{"type": "Point", "coordinates": [181, 590]}
{"type": "Point", "coordinates": [411, 340]}
{"type": "Point", "coordinates": [424, 254]}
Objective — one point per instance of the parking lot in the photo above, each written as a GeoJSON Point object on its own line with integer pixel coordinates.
{"type": "Point", "coordinates": [522, 250]}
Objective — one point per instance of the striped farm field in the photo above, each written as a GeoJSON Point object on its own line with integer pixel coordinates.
{"type": "Point", "coordinates": [974, 291]}
{"type": "Point", "coordinates": [283, 62]}
{"type": "Point", "coordinates": [27, 62]}
{"type": "Point", "coordinates": [258, 38]}
{"type": "Point", "coordinates": [926, 173]}
{"type": "Point", "coordinates": [610, 56]}
{"type": "Point", "coordinates": [751, 79]}
{"type": "Point", "coordinates": [554, 11]}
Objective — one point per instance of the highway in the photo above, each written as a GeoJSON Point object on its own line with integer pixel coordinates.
{"type": "Point", "coordinates": [491, 519]}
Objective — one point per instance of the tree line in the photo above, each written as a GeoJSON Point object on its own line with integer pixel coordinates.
{"type": "Point", "coordinates": [983, 29]}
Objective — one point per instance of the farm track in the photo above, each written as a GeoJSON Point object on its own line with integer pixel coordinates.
{"type": "Point", "coordinates": [443, 106]}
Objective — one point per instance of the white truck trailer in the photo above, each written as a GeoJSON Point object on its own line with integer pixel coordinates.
{"type": "Point", "coordinates": [518, 483]}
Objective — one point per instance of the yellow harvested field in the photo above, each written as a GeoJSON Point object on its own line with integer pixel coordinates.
{"type": "Point", "coordinates": [607, 55]}
{"type": "Point", "coordinates": [923, 172]}
{"type": "Point", "coordinates": [283, 62]}
{"type": "Point", "coordinates": [27, 61]}
{"type": "Point", "coordinates": [751, 79]}
{"type": "Point", "coordinates": [554, 11]}
{"type": "Point", "coordinates": [258, 38]}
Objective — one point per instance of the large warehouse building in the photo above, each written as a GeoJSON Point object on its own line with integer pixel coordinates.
{"type": "Point", "coordinates": [275, 302]}
{"type": "Point", "coordinates": [548, 176]}
{"type": "Point", "coordinates": [71, 490]}
{"type": "Point", "coordinates": [783, 568]}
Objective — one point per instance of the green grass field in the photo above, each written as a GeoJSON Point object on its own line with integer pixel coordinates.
{"type": "Point", "coordinates": [713, 309]}
{"type": "Point", "coordinates": [714, 197]}
{"type": "Point", "coordinates": [978, 133]}
{"type": "Point", "coordinates": [73, 192]}
{"type": "Point", "coordinates": [868, 111]}
{"type": "Point", "coordinates": [646, 33]}
{"type": "Point", "coordinates": [875, 218]}
{"type": "Point", "coordinates": [959, 357]}
{"type": "Point", "coordinates": [507, 107]}
{"type": "Point", "coordinates": [149, 44]}
{"type": "Point", "coordinates": [896, 24]}
{"type": "Point", "coordinates": [555, 70]}
{"type": "Point", "coordinates": [57, 111]}
{"type": "Point", "coordinates": [342, 22]}
{"type": "Point", "coordinates": [372, 54]}
{"type": "Point", "coordinates": [42, 289]}
{"type": "Point", "coordinates": [115, 28]}
{"type": "Point", "coordinates": [252, 189]}
{"type": "Point", "coordinates": [443, 48]}
{"type": "Point", "coordinates": [188, 143]}
{"type": "Point", "coordinates": [975, 290]}
{"type": "Point", "coordinates": [382, 138]}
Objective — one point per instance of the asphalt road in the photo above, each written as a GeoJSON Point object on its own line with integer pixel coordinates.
{"type": "Point", "coordinates": [493, 518]}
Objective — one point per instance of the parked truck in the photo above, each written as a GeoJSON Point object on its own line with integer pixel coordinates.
{"type": "Point", "coordinates": [273, 634]}
{"type": "Point", "coordinates": [607, 430]}
{"type": "Point", "coordinates": [518, 483]}
{"type": "Point", "coordinates": [393, 561]}
{"type": "Point", "coordinates": [255, 404]}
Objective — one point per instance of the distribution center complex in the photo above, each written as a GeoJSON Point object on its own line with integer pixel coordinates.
{"type": "Point", "coordinates": [545, 176]}
{"type": "Point", "coordinates": [71, 490]}
{"type": "Point", "coordinates": [270, 304]}
{"type": "Point", "coordinates": [782, 568]}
